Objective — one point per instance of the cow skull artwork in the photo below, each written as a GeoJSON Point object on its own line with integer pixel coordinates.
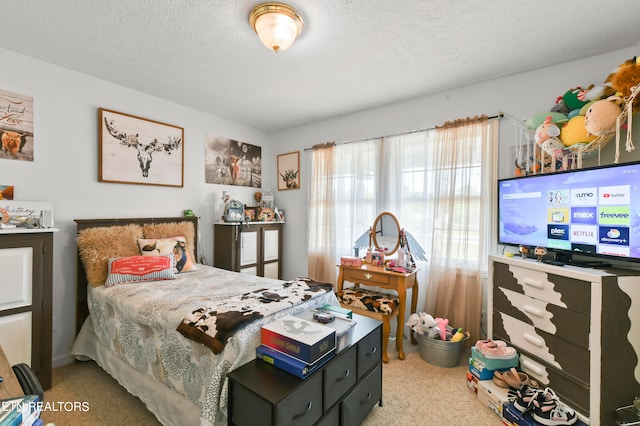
{"type": "Point", "coordinates": [145, 151]}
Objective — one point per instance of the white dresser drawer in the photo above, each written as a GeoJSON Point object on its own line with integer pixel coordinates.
{"type": "Point", "coordinates": [563, 355]}
{"type": "Point", "coordinates": [562, 291]}
{"type": "Point", "coordinates": [564, 323]}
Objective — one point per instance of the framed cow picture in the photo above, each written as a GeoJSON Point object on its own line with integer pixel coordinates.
{"type": "Point", "coordinates": [140, 151]}
{"type": "Point", "coordinates": [289, 171]}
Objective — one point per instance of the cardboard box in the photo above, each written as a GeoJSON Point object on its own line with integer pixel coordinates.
{"type": "Point", "coordinates": [492, 396]}
{"type": "Point", "coordinates": [344, 328]}
{"type": "Point", "coordinates": [494, 363]}
{"type": "Point", "coordinates": [515, 417]}
{"type": "Point", "coordinates": [478, 369]}
{"type": "Point", "coordinates": [305, 340]}
{"type": "Point", "coordinates": [472, 382]}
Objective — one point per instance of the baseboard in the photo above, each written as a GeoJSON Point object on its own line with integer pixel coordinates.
{"type": "Point", "coordinates": [61, 360]}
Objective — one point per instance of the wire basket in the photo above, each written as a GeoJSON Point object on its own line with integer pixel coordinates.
{"type": "Point", "coordinates": [442, 353]}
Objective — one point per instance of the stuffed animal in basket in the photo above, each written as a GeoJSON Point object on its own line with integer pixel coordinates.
{"type": "Point", "coordinates": [625, 77]}
{"type": "Point", "coordinates": [424, 324]}
{"type": "Point", "coordinates": [442, 328]}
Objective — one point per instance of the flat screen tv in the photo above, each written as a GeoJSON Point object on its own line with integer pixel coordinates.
{"type": "Point", "coordinates": [593, 212]}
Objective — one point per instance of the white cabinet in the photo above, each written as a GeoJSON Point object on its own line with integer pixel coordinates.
{"type": "Point", "coordinates": [26, 265]}
{"type": "Point", "coordinates": [251, 248]}
{"type": "Point", "coordinates": [577, 330]}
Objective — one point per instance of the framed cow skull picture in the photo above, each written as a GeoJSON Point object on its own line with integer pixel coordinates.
{"type": "Point", "coordinates": [137, 150]}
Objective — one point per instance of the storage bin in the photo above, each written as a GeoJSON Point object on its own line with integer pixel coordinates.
{"type": "Point", "coordinates": [442, 353]}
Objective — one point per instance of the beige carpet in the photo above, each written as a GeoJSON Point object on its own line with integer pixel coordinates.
{"type": "Point", "coordinates": [414, 393]}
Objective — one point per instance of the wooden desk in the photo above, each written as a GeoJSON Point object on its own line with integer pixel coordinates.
{"type": "Point", "coordinates": [377, 276]}
{"type": "Point", "coordinates": [9, 388]}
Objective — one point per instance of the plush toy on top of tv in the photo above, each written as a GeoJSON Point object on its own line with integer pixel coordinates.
{"type": "Point", "coordinates": [625, 77]}
{"type": "Point", "coordinates": [546, 136]}
{"type": "Point", "coordinates": [600, 118]}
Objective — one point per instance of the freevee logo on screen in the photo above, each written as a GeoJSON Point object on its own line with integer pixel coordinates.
{"type": "Point", "coordinates": [584, 215]}
{"type": "Point", "coordinates": [558, 232]}
{"type": "Point", "coordinates": [584, 197]}
{"type": "Point", "coordinates": [612, 195]}
{"type": "Point", "coordinates": [615, 215]}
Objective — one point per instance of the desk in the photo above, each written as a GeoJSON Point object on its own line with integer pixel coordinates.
{"type": "Point", "coordinates": [9, 388]}
{"type": "Point", "coordinates": [379, 277]}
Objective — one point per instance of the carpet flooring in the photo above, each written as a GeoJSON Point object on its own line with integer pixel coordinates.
{"type": "Point", "coordinates": [414, 393]}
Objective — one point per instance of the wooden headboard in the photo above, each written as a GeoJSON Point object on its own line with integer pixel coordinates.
{"type": "Point", "coordinates": [82, 310]}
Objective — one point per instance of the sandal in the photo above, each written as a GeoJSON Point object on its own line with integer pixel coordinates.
{"type": "Point", "coordinates": [499, 380]}
{"type": "Point", "coordinates": [517, 379]}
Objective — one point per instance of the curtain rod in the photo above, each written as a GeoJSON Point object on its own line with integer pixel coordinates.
{"type": "Point", "coordinates": [498, 116]}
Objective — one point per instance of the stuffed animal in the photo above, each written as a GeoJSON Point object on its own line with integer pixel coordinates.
{"type": "Point", "coordinates": [574, 132]}
{"type": "Point", "coordinates": [442, 327]}
{"type": "Point", "coordinates": [600, 118]}
{"type": "Point", "coordinates": [423, 323]}
{"type": "Point", "coordinates": [546, 136]}
{"type": "Point", "coordinates": [625, 77]}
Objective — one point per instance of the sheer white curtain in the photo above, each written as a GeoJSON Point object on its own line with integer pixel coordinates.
{"type": "Point", "coordinates": [438, 183]}
{"type": "Point", "coordinates": [342, 202]}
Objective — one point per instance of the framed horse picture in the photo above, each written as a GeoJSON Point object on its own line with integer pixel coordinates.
{"type": "Point", "coordinates": [140, 151]}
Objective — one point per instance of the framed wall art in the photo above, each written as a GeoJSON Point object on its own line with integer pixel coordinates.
{"type": "Point", "coordinates": [137, 150]}
{"type": "Point", "coordinates": [289, 171]}
{"type": "Point", "coordinates": [16, 126]}
{"type": "Point", "coordinates": [232, 162]}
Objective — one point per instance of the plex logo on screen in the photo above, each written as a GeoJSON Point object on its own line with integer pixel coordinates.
{"type": "Point", "coordinates": [558, 232]}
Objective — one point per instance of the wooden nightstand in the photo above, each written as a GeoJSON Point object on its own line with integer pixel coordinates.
{"type": "Point", "coordinates": [9, 388]}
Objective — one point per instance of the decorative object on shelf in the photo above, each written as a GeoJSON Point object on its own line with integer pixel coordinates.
{"type": "Point", "coordinates": [16, 126]}
{"type": "Point", "coordinates": [26, 214]}
{"type": "Point", "coordinates": [266, 215]}
{"type": "Point", "coordinates": [234, 211]}
{"type": "Point", "coordinates": [123, 136]}
{"type": "Point", "coordinates": [277, 25]}
{"type": "Point", "coordinates": [540, 252]}
{"type": "Point", "coordinates": [267, 200]}
{"type": "Point", "coordinates": [258, 196]}
{"type": "Point", "coordinates": [251, 213]}
{"type": "Point", "coordinates": [289, 171]}
{"type": "Point", "coordinates": [223, 205]}
{"type": "Point", "coordinates": [524, 251]}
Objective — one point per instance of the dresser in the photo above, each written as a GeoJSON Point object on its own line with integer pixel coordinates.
{"type": "Point", "coordinates": [26, 262]}
{"type": "Point", "coordinates": [342, 392]}
{"type": "Point", "coordinates": [577, 330]}
{"type": "Point", "coordinates": [250, 247]}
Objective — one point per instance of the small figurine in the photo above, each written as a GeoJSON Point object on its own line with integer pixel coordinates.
{"type": "Point", "coordinates": [524, 250]}
{"type": "Point", "coordinates": [540, 252]}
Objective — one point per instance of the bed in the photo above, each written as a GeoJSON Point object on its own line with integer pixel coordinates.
{"type": "Point", "coordinates": [131, 328]}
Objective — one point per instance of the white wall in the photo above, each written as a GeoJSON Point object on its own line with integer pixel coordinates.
{"type": "Point", "coordinates": [65, 166]}
{"type": "Point", "coordinates": [520, 96]}
{"type": "Point", "coordinates": [64, 169]}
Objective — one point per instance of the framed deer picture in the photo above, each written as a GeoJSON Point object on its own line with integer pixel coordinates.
{"type": "Point", "coordinates": [137, 150]}
{"type": "Point", "coordinates": [289, 171]}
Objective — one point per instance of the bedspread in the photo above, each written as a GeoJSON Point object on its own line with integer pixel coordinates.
{"type": "Point", "coordinates": [138, 323]}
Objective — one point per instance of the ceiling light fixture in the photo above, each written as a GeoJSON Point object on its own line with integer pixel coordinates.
{"type": "Point", "coordinates": [276, 24]}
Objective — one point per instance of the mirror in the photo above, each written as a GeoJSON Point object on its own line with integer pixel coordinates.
{"type": "Point", "coordinates": [386, 232]}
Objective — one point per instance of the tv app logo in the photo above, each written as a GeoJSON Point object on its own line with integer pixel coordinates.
{"type": "Point", "coordinates": [558, 232]}
{"type": "Point", "coordinates": [614, 235]}
{"type": "Point", "coordinates": [584, 234]}
{"type": "Point", "coordinates": [614, 215]}
{"type": "Point", "coordinates": [584, 197]}
{"type": "Point", "coordinates": [584, 215]}
{"type": "Point", "coordinates": [614, 195]}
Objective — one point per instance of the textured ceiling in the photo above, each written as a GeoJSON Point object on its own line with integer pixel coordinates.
{"type": "Point", "coordinates": [352, 54]}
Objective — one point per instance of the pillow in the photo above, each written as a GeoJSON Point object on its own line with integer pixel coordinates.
{"type": "Point", "coordinates": [171, 229]}
{"type": "Point", "coordinates": [97, 245]}
{"type": "Point", "coordinates": [139, 268]}
{"type": "Point", "coordinates": [176, 247]}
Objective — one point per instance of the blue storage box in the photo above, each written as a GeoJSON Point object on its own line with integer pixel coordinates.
{"type": "Point", "coordinates": [478, 369]}
{"type": "Point", "coordinates": [494, 364]}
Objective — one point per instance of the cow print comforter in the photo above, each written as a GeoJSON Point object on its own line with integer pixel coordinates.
{"type": "Point", "coordinates": [214, 323]}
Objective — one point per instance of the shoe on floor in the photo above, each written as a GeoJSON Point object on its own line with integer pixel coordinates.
{"type": "Point", "coordinates": [525, 397]}
{"type": "Point", "coordinates": [549, 411]}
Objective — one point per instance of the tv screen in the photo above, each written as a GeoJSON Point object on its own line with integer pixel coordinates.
{"type": "Point", "coordinates": [591, 211]}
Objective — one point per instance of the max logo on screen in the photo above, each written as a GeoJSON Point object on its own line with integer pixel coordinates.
{"type": "Point", "coordinates": [558, 232]}
{"type": "Point", "coordinates": [586, 215]}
